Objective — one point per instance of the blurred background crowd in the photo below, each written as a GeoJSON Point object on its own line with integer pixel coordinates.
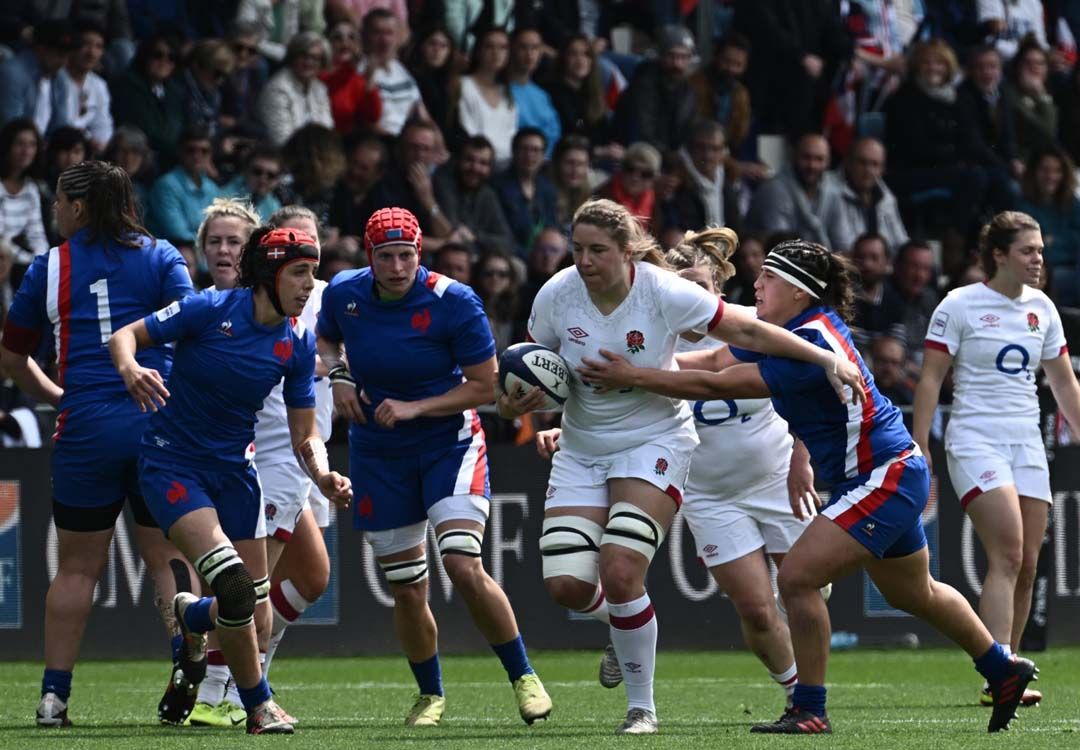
{"type": "Point", "coordinates": [886, 129]}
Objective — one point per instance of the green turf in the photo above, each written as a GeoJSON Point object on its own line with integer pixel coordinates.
{"type": "Point", "coordinates": [909, 699]}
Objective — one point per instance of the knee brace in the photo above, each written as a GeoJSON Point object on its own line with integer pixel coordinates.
{"type": "Point", "coordinates": [631, 527]}
{"type": "Point", "coordinates": [460, 542]}
{"type": "Point", "coordinates": [405, 572]}
{"type": "Point", "coordinates": [570, 546]}
{"type": "Point", "coordinates": [262, 590]}
{"type": "Point", "coordinates": [232, 585]}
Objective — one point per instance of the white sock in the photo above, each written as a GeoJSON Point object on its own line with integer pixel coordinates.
{"type": "Point", "coordinates": [271, 649]}
{"type": "Point", "coordinates": [787, 680]}
{"type": "Point", "coordinates": [598, 607]}
{"type": "Point", "coordinates": [212, 688]}
{"type": "Point", "coordinates": [633, 633]}
{"type": "Point", "coordinates": [287, 606]}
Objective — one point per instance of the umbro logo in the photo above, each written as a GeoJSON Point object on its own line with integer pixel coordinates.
{"type": "Point", "coordinates": [986, 476]}
{"type": "Point", "coordinates": [990, 320]}
{"type": "Point", "coordinates": [632, 667]}
{"type": "Point", "coordinates": [578, 334]}
{"type": "Point", "coordinates": [710, 550]}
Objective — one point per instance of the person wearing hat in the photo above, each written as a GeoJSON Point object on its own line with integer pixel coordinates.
{"type": "Point", "coordinates": [660, 105]}
{"type": "Point", "coordinates": [29, 84]}
{"type": "Point", "coordinates": [634, 184]}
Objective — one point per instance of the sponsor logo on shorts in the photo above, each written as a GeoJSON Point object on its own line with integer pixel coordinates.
{"type": "Point", "coordinates": [226, 327]}
{"type": "Point", "coordinates": [550, 492]}
{"type": "Point", "coordinates": [990, 320]}
{"type": "Point", "coordinates": [1032, 322]}
{"type": "Point", "coordinates": [986, 476]}
{"type": "Point", "coordinates": [937, 327]}
{"type": "Point", "coordinates": [365, 507]}
{"type": "Point", "coordinates": [350, 309]}
{"type": "Point", "coordinates": [635, 342]}
{"type": "Point", "coordinates": [283, 350]}
{"type": "Point", "coordinates": [177, 493]}
{"type": "Point", "coordinates": [271, 511]}
{"type": "Point", "coordinates": [421, 321]}
{"type": "Point", "coordinates": [710, 550]}
{"type": "Point", "coordinates": [661, 466]}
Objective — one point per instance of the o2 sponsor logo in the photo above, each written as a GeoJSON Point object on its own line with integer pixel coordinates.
{"type": "Point", "coordinates": [1014, 359]}
{"type": "Point", "coordinates": [717, 412]}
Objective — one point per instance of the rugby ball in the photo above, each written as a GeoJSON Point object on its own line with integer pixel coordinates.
{"type": "Point", "coordinates": [528, 366]}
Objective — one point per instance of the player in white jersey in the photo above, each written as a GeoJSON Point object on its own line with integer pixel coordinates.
{"type": "Point", "coordinates": [995, 336]}
{"type": "Point", "coordinates": [619, 477]}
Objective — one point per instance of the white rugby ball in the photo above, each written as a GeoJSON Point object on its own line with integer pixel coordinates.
{"type": "Point", "coordinates": [528, 366]}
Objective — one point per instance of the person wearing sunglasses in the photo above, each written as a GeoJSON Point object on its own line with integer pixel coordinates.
{"type": "Point", "coordinates": [177, 200]}
{"type": "Point", "coordinates": [210, 64]}
{"type": "Point", "coordinates": [148, 97]}
{"type": "Point", "coordinates": [258, 181]}
{"type": "Point", "coordinates": [634, 184]}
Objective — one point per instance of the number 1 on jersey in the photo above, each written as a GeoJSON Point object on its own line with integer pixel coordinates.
{"type": "Point", "coordinates": [100, 289]}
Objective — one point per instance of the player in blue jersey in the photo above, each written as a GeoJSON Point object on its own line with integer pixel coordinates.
{"type": "Point", "coordinates": [108, 273]}
{"type": "Point", "coordinates": [421, 358]}
{"type": "Point", "coordinates": [196, 467]}
{"type": "Point", "coordinates": [879, 479]}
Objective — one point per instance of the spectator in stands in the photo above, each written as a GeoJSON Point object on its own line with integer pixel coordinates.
{"type": "Point", "coordinates": [315, 160]}
{"type": "Point", "coordinates": [30, 86]}
{"type": "Point", "coordinates": [549, 252]}
{"type": "Point", "coordinates": [433, 64]}
{"type": "Point", "coordinates": [1008, 22]}
{"type": "Point", "coordinates": [1069, 114]}
{"type": "Point", "coordinates": [130, 150]}
{"type": "Point", "coordinates": [791, 79]}
{"type": "Point", "coordinates": [913, 280]}
{"type": "Point", "coordinates": [407, 182]}
{"type": "Point", "coordinates": [88, 103]}
{"type": "Point", "coordinates": [334, 259]}
{"type": "Point", "coordinates": [454, 260]}
{"type": "Point", "coordinates": [176, 203]}
{"type": "Point", "coordinates": [355, 103]}
{"type": "Point", "coordinates": [400, 96]}
{"type": "Point", "coordinates": [279, 21]}
{"type": "Point", "coordinates": [356, 10]}
{"type": "Point", "coordinates": [526, 194]}
{"type": "Point", "coordinates": [294, 95]}
{"type": "Point", "coordinates": [365, 164]}
{"type": "Point", "coordinates": [929, 140]}
{"type": "Point", "coordinates": [879, 309]}
{"type": "Point", "coordinates": [470, 203]}
{"type": "Point", "coordinates": [465, 19]}
{"type": "Point", "coordinates": [486, 106]}
{"type": "Point", "coordinates": [1033, 109]}
{"type": "Point", "coordinates": [148, 97]}
{"type": "Point", "coordinates": [66, 147]}
{"type": "Point", "coordinates": [210, 63]}
{"type": "Point", "coordinates": [240, 99]}
{"type": "Point", "coordinates": [7, 289]}
{"type": "Point", "coordinates": [570, 174]}
{"type": "Point", "coordinates": [258, 181]}
{"type": "Point", "coordinates": [497, 284]}
{"type": "Point", "coordinates": [1049, 197]}
{"type": "Point", "coordinates": [722, 97]}
{"type": "Point", "coordinates": [705, 197]}
{"type": "Point", "coordinates": [659, 105]}
{"type": "Point", "coordinates": [799, 198]}
{"type": "Point", "coordinates": [577, 93]}
{"type": "Point", "coordinates": [747, 259]}
{"type": "Point", "coordinates": [888, 364]}
{"type": "Point", "coordinates": [533, 104]}
{"type": "Point", "coordinates": [865, 203]}
{"type": "Point", "coordinates": [21, 153]}
{"type": "Point", "coordinates": [634, 184]}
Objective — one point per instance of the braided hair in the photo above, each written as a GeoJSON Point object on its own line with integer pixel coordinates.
{"type": "Point", "coordinates": [712, 247]}
{"type": "Point", "coordinates": [999, 234]}
{"type": "Point", "coordinates": [837, 274]}
{"type": "Point", "coordinates": [623, 228]}
{"type": "Point", "coordinates": [110, 201]}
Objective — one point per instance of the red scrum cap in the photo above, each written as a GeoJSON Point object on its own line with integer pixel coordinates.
{"type": "Point", "coordinates": [392, 226]}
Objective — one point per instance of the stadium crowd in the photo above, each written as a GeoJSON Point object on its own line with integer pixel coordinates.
{"type": "Point", "coordinates": [902, 126]}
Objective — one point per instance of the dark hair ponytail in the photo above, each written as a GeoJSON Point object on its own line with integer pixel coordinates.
{"type": "Point", "coordinates": [835, 270]}
{"type": "Point", "coordinates": [110, 201]}
{"type": "Point", "coordinates": [247, 257]}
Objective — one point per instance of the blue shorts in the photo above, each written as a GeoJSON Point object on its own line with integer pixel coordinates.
{"type": "Point", "coordinates": [882, 510]}
{"type": "Point", "coordinates": [95, 454]}
{"type": "Point", "coordinates": [392, 492]}
{"type": "Point", "coordinates": [173, 491]}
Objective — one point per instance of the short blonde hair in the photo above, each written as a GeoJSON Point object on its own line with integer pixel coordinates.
{"type": "Point", "coordinates": [924, 50]}
{"type": "Point", "coordinates": [223, 208]}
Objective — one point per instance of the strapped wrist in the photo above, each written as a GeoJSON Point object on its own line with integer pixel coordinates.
{"type": "Point", "coordinates": [341, 374]}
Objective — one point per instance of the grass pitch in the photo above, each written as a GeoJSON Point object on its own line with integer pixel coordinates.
{"type": "Point", "coordinates": [911, 699]}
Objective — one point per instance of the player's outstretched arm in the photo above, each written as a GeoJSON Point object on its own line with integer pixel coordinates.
{"type": "Point", "coordinates": [1062, 379]}
{"type": "Point", "coordinates": [707, 359]}
{"type": "Point", "coordinates": [747, 332]}
{"type": "Point", "coordinates": [310, 451]}
{"type": "Point", "coordinates": [144, 384]}
{"type": "Point", "coordinates": [614, 372]}
{"type": "Point", "coordinates": [935, 366]}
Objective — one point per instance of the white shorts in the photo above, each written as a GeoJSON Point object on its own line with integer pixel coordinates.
{"type": "Point", "coordinates": [726, 529]}
{"type": "Point", "coordinates": [454, 508]}
{"type": "Point", "coordinates": [976, 467]}
{"type": "Point", "coordinates": [581, 481]}
{"type": "Point", "coordinates": [320, 507]}
{"type": "Point", "coordinates": [285, 495]}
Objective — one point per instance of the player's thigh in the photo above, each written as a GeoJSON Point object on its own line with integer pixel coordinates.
{"type": "Point", "coordinates": [746, 581]}
{"type": "Point", "coordinates": [905, 582]}
{"type": "Point", "coordinates": [1035, 514]}
{"type": "Point", "coordinates": [83, 553]}
{"type": "Point", "coordinates": [998, 522]}
{"type": "Point", "coordinates": [253, 553]}
{"type": "Point", "coordinates": [823, 554]}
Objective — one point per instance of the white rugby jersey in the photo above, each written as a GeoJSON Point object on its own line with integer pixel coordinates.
{"type": "Point", "coordinates": [998, 344]}
{"type": "Point", "coordinates": [273, 444]}
{"type": "Point", "coordinates": [744, 443]}
{"type": "Point", "coordinates": [644, 328]}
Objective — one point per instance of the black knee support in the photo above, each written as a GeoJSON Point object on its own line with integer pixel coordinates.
{"type": "Point", "coordinates": [235, 592]}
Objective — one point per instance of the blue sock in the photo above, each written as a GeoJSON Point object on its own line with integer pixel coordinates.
{"type": "Point", "coordinates": [810, 698]}
{"type": "Point", "coordinates": [428, 675]}
{"type": "Point", "coordinates": [177, 643]}
{"type": "Point", "coordinates": [513, 658]}
{"type": "Point", "coordinates": [994, 664]}
{"type": "Point", "coordinates": [57, 681]}
{"type": "Point", "coordinates": [197, 616]}
{"type": "Point", "coordinates": [252, 697]}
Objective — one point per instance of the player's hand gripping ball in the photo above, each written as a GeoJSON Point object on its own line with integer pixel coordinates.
{"type": "Point", "coordinates": [527, 366]}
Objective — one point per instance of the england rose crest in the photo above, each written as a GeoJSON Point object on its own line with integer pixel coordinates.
{"type": "Point", "coordinates": [661, 466]}
{"type": "Point", "coordinates": [635, 341]}
{"type": "Point", "coordinates": [1033, 322]}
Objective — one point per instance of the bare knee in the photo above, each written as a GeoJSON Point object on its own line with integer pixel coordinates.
{"type": "Point", "coordinates": [411, 597]}
{"type": "Point", "coordinates": [756, 613]}
{"type": "Point", "coordinates": [467, 574]}
{"type": "Point", "coordinates": [1026, 577]}
{"type": "Point", "coordinates": [1008, 561]}
{"type": "Point", "coordinates": [621, 574]}
{"type": "Point", "coordinates": [793, 582]}
{"type": "Point", "coordinates": [570, 592]}
{"type": "Point", "coordinates": [313, 580]}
